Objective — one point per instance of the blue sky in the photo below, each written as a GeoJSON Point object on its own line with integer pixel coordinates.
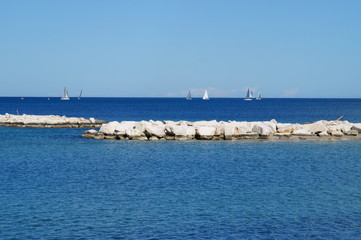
{"type": "Point", "coordinates": [308, 48]}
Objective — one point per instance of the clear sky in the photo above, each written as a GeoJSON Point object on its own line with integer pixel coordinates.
{"type": "Point", "coordinates": [298, 48]}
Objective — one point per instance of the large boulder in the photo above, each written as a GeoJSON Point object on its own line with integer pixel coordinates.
{"type": "Point", "coordinates": [182, 132]}
{"type": "Point", "coordinates": [242, 127]}
{"type": "Point", "coordinates": [219, 130]}
{"type": "Point", "coordinates": [90, 133]}
{"type": "Point", "coordinates": [230, 131]}
{"type": "Point", "coordinates": [135, 134]}
{"type": "Point", "coordinates": [262, 129]}
{"type": "Point", "coordinates": [342, 126]}
{"type": "Point", "coordinates": [205, 133]}
{"type": "Point", "coordinates": [317, 127]}
{"type": "Point", "coordinates": [109, 128]}
{"type": "Point", "coordinates": [285, 128]}
{"type": "Point", "coordinates": [302, 132]}
{"type": "Point", "coordinates": [352, 133]}
{"type": "Point", "coordinates": [121, 128]}
{"type": "Point", "coordinates": [155, 129]}
{"type": "Point", "coordinates": [357, 127]}
{"type": "Point", "coordinates": [337, 133]}
{"type": "Point", "coordinates": [272, 124]}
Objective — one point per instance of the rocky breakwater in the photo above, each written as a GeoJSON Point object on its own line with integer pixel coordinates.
{"type": "Point", "coordinates": [48, 121]}
{"type": "Point", "coordinates": [231, 130]}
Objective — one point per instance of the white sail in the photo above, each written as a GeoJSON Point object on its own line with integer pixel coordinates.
{"type": "Point", "coordinates": [259, 96]}
{"type": "Point", "coordinates": [65, 95]}
{"type": "Point", "coordinates": [205, 96]}
{"type": "Point", "coordinates": [189, 95]}
{"type": "Point", "coordinates": [249, 95]}
{"type": "Point", "coordinates": [81, 91]}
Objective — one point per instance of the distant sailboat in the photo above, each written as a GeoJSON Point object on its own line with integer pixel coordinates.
{"type": "Point", "coordinates": [249, 95]}
{"type": "Point", "coordinates": [205, 96]}
{"type": "Point", "coordinates": [81, 91]}
{"type": "Point", "coordinates": [259, 96]}
{"type": "Point", "coordinates": [65, 95]}
{"type": "Point", "coordinates": [189, 95]}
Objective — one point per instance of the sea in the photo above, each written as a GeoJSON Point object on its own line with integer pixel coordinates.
{"type": "Point", "coordinates": [56, 185]}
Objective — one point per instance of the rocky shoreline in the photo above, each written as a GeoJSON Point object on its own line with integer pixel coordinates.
{"type": "Point", "coordinates": [231, 130]}
{"type": "Point", "coordinates": [48, 121]}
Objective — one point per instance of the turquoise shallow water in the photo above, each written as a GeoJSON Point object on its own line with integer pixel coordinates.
{"type": "Point", "coordinates": [56, 185]}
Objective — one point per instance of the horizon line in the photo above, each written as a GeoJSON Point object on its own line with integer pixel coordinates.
{"type": "Point", "coordinates": [185, 98]}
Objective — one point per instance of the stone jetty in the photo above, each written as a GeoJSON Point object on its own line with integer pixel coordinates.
{"type": "Point", "coordinates": [48, 121]}
{"type": "Point", "coordinates": [231, 130]}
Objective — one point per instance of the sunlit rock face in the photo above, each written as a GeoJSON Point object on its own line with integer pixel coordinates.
{"type": "Point", "coordinates": [231, 130]}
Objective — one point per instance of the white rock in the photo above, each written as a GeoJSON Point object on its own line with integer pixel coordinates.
{"type": "Point", "coordinates": [230, 131]}
{"type": "Point", "coordinates": [135, 134]}
{"type": "Point", "coordinates": [337, 133]}
{"type": "Point", "coordinates": [317, 127]}
{"type": "Point", "coordinates": [205, 132]}
{"type": "Point", "coordinates": [182, 123]}
{"type": "Point", "coordinates": [153, 138]}
{"type": "Point", "coordinates": [272, 124]}
{"type": "Point", "coordinates": [155, 130]}
{"type": "Point", "coordinates": [169, 123]}
{"type": "Point", "coordinates": [352, 133]}
{"type": "Point", "coordinates": [127, 125]}
{"type": "Point", "coordinates": [262, 129]}
{"type": "Point", "coordinates": [282, 134]}
{"type": "Point", "coordinates": [183, 131]}
{"type": "Point", "coordinates": [242, 127]}
{"type": "Point", "coordinates": [91, 131]}
{"type": "Point", "coordinates": [109, 128]}
{"type": "Point", "coordinates": [323, 134]}
{"type": "Point", "coordinates": [357, 127]}
{"type": "Point", "coordinates": [212, 123]}
{"type": "Point", "coordinates": [285, 128]}
{"type": "Point", "coordinates": [302, 131]}
{"type": "Point", "coordinates": [345, 127]}
{"type": "Point", "coordinates": [42, 119]}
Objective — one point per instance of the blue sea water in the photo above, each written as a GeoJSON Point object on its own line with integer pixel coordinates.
{"type": "Point", "coordinates": [283, 110]}
{"type": "Point", "coordinates": [56, 185]}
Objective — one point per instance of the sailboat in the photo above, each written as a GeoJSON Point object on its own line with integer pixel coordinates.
{"type": "Point", "coordinates": [81, 91]}
{"type": "Point", "coordinates": [205, 96]}
{"type": "Point", "coordinates": [189, 95]}
{"type": "Point", "coordinates": [259, 96]}
{"type": "Point", "coordinates": [65, 95]}
{"type": "Point", "coordinates": [249, 95]}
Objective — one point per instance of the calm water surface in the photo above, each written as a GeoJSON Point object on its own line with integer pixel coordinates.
{"type": "Point", "coordinates": [56, 185]}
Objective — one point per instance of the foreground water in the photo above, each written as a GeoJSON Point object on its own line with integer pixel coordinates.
{"type": "Point", "coordinates": [56, 185]}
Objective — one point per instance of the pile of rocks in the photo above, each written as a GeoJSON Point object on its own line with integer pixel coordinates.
{"type": "Point", "coordinates": [231, 130]}
{"type": "Point", "coordinates": [48, 121]}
